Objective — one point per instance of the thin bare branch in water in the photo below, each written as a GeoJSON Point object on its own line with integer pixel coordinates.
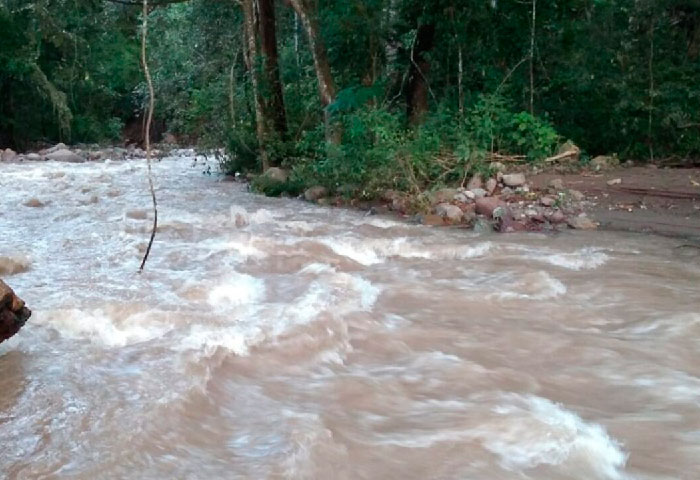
{"type": "Point", "coordinates": [147, 73]}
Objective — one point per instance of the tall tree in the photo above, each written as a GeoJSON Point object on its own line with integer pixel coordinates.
{"type": "Point", "coordinates": [272, 85]}
{"type": "Point", "coordinates": [307, 12]}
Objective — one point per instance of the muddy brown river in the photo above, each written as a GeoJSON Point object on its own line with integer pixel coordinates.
{"type": "Point", "coordinates": [274, 339]}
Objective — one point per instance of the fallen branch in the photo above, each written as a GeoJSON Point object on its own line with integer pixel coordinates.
{"type": "Point", "coordinates": [147, 73]}
{"type": "Point", "coordinates": [561, 156]}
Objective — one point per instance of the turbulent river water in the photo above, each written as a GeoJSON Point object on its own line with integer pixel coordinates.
{"type": "Point", "coordinates": [271, 339]}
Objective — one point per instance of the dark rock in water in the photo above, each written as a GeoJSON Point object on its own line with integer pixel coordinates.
{"type": "Point", "coordinates": [13, 313]}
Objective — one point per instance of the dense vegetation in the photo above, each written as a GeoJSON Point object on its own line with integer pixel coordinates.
{"type": "Point", "coordinates": [360, 93]}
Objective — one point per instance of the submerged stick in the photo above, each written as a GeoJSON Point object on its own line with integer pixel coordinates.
{"type": "Point", "coordinates": [147, 73]}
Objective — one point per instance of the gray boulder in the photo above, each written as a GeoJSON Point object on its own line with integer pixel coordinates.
{"type": "Point", "coordinates": [65, 155]}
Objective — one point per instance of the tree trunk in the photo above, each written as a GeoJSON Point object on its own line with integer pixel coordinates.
{"type": "Point", "coordinates": [272, 87]}
{"type": "Point", "coordinates": [250, 57]}
{"type": "Point", "coordinates": [308, 16]}
{"type": "Point", "coordinates": [418, 88]}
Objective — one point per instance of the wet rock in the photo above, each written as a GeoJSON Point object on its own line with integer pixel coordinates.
{"type": "Point", "coordinates": [13, 313]}
{"type": "Point", "coordinates": [556, 184]}
{"type": "Point", "coordinates": [451, 213]}
{"type": "Point", "coordinates": [34, 203]}
{"type": "Point", "coordinates": [507, 224]}
{"type": "Point", "coordinates": [137, 214]}
{"type": "Point", "coordinates": [12, 265]}
{"type": "Point", "coordinates": [514, 179]}
{"type": "Point", "coordinates": [431, 219]}
{"type": "Point", "coordinates": [487, 205]}
{"type": "Point", "coordinates": [315, 193]}
{"type": "Point", "coordinates": [548, 201]}
{"type": "Point", "coordinates": [8, 155]}
{"type": "Point", "coordinates": [55, 148]}
{"type": "Point", "coordinates": [576, 195]}
{"type": "Point", "coordinates": [65, 155]}
{"type": "Point", "coordinates": [475, 183]}
{"type": "Point", "coordinates": [478, 192]}
{"type": "Point", "coordinates": [582, 222]}
{"type": "Point", "coordinates": [443, 195]}
{"type": "Point", "coordinates": [276, 174]}
{"type": "Point", "coordinates": [614, 181]}
{"type": "Point", "coordinates": [482, 226]}
{"type": "Point", "coordinates": [33, 157]}
{"type": "Point", "coordinates": [491, 185]}
{"type": "Point", "coordinates": [93, 199]}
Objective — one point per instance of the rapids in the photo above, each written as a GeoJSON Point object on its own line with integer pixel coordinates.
{"type": "Point", "coordinates": [271, 339]}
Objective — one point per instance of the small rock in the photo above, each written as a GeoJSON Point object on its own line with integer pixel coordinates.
{"type": "Point", "coordinates": [8, 155]}
{"type": "Point", "coordinates": [491, 185]}
{"type": "Point", "coordinates": [470, 195]}
{"type": "Point", "coordinates": [556, 184]}
{"type": "Point", "coordinates": [449, 212]}
{"type": "Point", "coordinates": [462, 198]}
{"type": "Point", "coordinates": [475, 182]}
{"type": "Point", "coordinates": [33, 157]}
{"type": "Point", "coordinates": [614, 181]}
{"type": "Point", "coordinates": [277, 174]}
{"type": "Point", "coordinates": [137, 214]}
{"type": "Point", "coordinates": [497, 167]}
{"type": "Point", "coordinates": [507, 191]}
{"type": "Point", "coordinates": [514, 179]}
{"type": "Point", "coordinates": [486, 205]}
{"type": "Point", "coordinates": [601, 162]}
{"type": "Point", "coordinates": [582, 222]}
{"type": "Point", "coordinates": [431, 219]}
{"type": "Point", "coordinates": [478, 192]}
{"type": "Point", "coordinates": [576, 195]}
{"type": "Point", "coordinates": [65, 155]}
{"type": "Point", "coordinates": [443, 195]}
{"type": "Point", "coordinates": [548, 201]}
{"type": "Point", "coordinates": [34, 203]}
{"type": "Point", "coordinates": [314, 193]}
{"type": "Point", "coordinates": [55, 148]}
{"type": "Point", "coordinates": [557, 217]}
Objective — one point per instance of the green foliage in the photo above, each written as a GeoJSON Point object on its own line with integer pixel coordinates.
{"type": "Point", "coordinates": [273, 188]}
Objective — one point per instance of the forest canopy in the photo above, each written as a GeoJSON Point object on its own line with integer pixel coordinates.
{"type": "Point", "coordinates": [346, 89]}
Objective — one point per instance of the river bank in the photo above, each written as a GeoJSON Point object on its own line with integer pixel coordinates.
{"type": "Point", "coordinates": [604, 194]}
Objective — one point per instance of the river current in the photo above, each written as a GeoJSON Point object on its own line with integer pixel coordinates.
{"type": "Point", "coordinates": [275, 339]}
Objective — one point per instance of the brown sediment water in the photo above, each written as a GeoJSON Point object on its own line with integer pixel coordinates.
{"type": "Point", "coordinates": [272, 339]}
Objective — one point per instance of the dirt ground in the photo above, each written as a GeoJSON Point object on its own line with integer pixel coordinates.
{"type": "Point", "coordinates": [646, 199]}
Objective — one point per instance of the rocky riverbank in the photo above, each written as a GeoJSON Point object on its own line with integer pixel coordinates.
{"type": "Point", "coordinates": [78, 154]}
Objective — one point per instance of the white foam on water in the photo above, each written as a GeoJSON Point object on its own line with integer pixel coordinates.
{"type": "Point", "coordinates": [587, 258]}
{"type": "Point", "coordinates": [249, 321]}
{"type": "Point", "coordinates": [531, 431]}
{"type": "Point", "coordinates": [374, 251]}
{"type": "Point", "coordinates": [238, 289]}
{"type": "Point", "coordinates": [111, 330]}
{"type": "Point", "coordinates": [533, 286]}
